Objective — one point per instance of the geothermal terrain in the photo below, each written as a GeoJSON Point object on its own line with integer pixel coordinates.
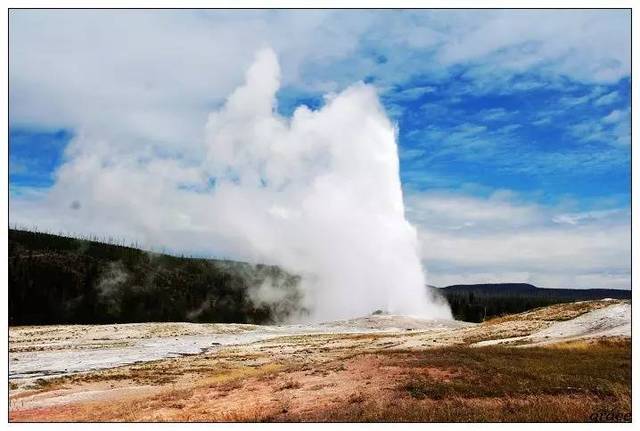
{"type": "Point", "coordinates": [81, 347]}
{"type": "Point", "coordinates": [564, 362]}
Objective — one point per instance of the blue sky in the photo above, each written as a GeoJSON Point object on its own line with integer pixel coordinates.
{"type": "Point", "coordinates": [530, 141]}
{"type": "Point", "coordinates": [528, 109]}
{"type": "Point", "coordinates": [34, 156]}
{"type": "Point", "coordinates": [538, 140]}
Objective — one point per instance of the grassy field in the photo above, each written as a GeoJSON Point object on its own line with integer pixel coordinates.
{"type": "Point", "coordinates": [565, 382]}
{"type": "Point", "coordinates": [430, 373]}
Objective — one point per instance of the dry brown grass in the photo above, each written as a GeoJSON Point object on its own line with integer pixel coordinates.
{"type": "Point", "coordinates": [290, 384]}
{"type": "Point", "coordinates": [532, 408]}
{"type": "Point", "coordinates": [556, 312]}
{"type": "Point", "coordinates": [454, 384]}
{"type": "Point", "coordinates": [359, 377]}
{"type": "Point", "coordinates": [528, 322]}
{"type": "Point", "coordinates": [590, 343]}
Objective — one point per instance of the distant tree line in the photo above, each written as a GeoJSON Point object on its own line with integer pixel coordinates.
{"type": "Point", "coordinates": [55, 279]}
{"type": "Point", "coordinates": [478, 302]}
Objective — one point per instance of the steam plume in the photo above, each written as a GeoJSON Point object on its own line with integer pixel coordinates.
{"type": "Point", "coordinates": [320, 195]}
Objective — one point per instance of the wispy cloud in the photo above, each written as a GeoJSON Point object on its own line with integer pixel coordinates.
{"type": "Point", "coordinates": [607, 99]}
{"type": "Point", "coordinates": [498, 239]}
{"type": "Point", "coordinates": [495, 114]}
{"type": "Point", "coordinates": [613, 128]}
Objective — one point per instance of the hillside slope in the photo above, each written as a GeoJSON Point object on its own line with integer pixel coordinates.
{"type": "Point", "coordinates": [478, 302]}
{"type": "Point", "coordinates": [58, 280]}
{"type": "Point", "coordinates": [55, 279]}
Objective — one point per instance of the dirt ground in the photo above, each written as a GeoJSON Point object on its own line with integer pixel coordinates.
{"type": "Point", "coordinates": [379, 368]}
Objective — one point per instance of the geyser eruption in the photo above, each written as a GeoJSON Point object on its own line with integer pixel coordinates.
{"type": "Point", "coordinates": [318, 194]}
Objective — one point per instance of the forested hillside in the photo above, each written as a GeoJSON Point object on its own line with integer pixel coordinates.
{"type": "Point", "coordinates": [55, 279]}
{"type": "Point", "coordinates": [477, 302]}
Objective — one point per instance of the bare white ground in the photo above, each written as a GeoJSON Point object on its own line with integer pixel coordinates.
{"type": "Point", "coordinates": [39, 351]}
{"type": "Point", "coordinates": [65, 396]}
{"type": "Point", "coordinates": [614, 320]}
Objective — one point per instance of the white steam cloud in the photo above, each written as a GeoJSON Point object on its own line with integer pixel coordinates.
{"type": "Point", "coordinates": [318, 194]}
{"type": "Point", "coordinates": [322, 194]}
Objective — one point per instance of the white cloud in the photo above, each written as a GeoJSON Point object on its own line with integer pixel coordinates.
{"type": "Point", "coordinates": [614, 128]}
{"type": "Point", "coordinates": [607, 99]}
{"type": "Point", "coordinates": [410, 94]}
{"type": "Point", "coordinates": [615, 116]}
{"type": "Point", "coordinates": [587, 216]}
{"type": "Point", "coordinates": [450, 211]}
{"type": "Point", "coordinates": [580, 44]}
{"type": "Point", "coordinates": [153, 75]}
{"type": "Point", "coordinates": [571, 101]}
{"type": "Point", "coordinates": [495, 114]}
{"type": "Point", "coordinates": [471, 240]}
{"type": "Point", "coordinates": [542, 121]}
